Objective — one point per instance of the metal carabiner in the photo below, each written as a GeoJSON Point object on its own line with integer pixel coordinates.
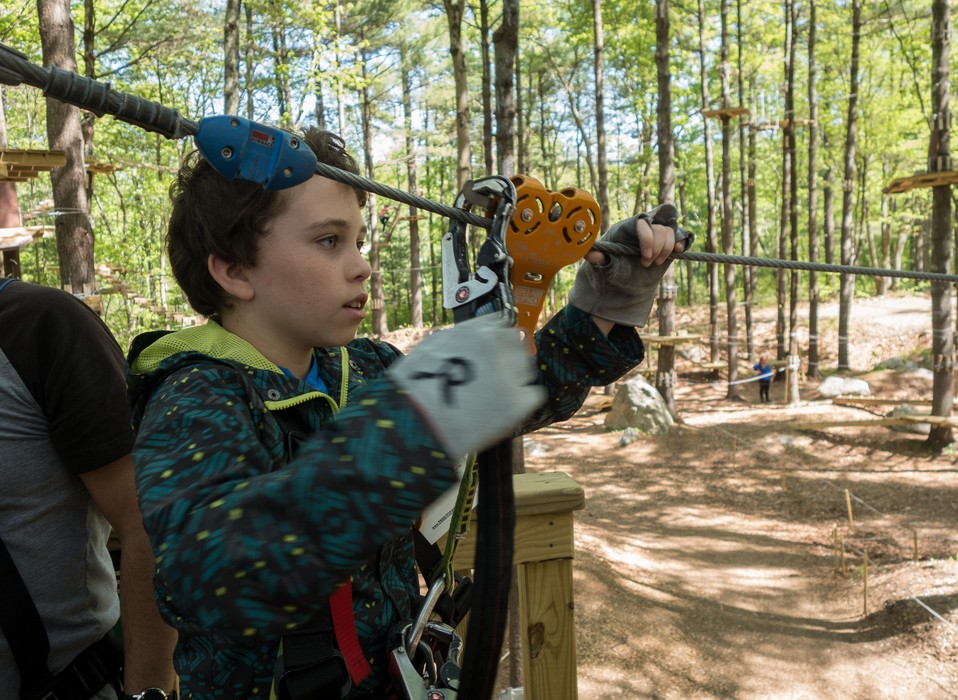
{"type": "Point", "coordinates": [471, 293]}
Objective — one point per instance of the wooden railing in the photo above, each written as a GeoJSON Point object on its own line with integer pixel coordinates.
{"type": "Point", "coordinates": [544, 549]}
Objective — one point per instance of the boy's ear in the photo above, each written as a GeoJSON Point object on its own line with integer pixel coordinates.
{"type": "Point", "coordinates": [231, 276]}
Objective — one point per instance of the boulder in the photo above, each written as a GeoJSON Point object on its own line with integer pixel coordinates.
{"type": "Point", "coordinates": [844, 386]}
{"type": "Point", "coordinates": [638, 405]}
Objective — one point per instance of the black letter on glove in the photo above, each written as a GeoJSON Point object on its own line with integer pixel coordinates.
{"type": "Point", "coordinates": [456, 371]}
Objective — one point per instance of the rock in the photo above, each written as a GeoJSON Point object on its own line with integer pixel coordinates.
{"type": "Point", "coordinates": [638, 405]}
{"type": "Point", "coordinates": [629, 435]}
{"type": "Point", "coordinates": [908, 410]}
{"type": "Point", "coordinates": [844, 386]}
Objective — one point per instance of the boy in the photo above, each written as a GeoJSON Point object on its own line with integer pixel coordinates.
{"type": "Point", "coordinates": [280, 460]}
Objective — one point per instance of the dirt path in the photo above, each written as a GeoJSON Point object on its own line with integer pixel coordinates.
{"type": "Point", "coordinates": [705, 561]}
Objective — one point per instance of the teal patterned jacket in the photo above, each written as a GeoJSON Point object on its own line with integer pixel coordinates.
{"type": "Point", "coordinates": [249, 544]}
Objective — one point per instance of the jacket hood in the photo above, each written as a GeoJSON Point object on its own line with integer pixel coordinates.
{"type": "Point", "coordinates": [155, 355]}
{"type": "Point", "coordinates": [210, 339]}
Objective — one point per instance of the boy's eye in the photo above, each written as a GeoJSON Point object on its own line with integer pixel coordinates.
{"type": "Point", "coordinates": [360, 243]}
{"type": "Point", "coordinates": [328, 241]}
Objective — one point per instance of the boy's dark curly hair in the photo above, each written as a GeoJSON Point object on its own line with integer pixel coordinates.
{"type": "Point", "coordinates": [213, 215]}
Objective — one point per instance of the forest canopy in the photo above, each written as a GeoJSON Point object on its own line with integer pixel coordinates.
{"type": "Point", "coordinates": [381, 73]}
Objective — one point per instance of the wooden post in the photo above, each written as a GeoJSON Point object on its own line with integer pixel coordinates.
{"type": "Point", "coordinates": [835, 555]}
{"type": "Point", "coordinates": [848, 504]}
{"type": "Point", "coordinates": [865, 582]}
{"type": "Point", "coordinates": [544, 550]}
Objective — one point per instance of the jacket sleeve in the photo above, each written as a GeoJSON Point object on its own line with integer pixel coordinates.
{"type": "Point", "coordinates": [573, 355]}
{"type": "Point", "coordinates": [243, 546]}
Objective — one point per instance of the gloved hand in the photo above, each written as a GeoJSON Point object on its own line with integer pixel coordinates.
{"type": "Point", "coordinates": [472, 382]}
{"type": "Point", "coordinates": [632, 258]}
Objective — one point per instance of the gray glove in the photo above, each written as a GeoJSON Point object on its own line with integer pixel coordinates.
{"type": "Point", "coordinates": [622, 290]}
{"type": "Point", "coordinates": [472, 382]}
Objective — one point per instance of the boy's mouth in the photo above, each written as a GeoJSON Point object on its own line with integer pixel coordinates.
{"type": "Point", "coordinates": [357, 303]}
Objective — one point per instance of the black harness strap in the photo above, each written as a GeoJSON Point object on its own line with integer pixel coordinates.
{"type": "Point", "coordinates": [22, 626]}
{"type": "Point", "coordinates": [493, 573]}
{"type": "Point", "coordinates": [92, 669]}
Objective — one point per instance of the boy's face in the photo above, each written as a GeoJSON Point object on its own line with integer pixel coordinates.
{"type": "Point", "coordinates": [309, 280]}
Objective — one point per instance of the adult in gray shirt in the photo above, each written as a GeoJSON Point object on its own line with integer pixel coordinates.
{"type": "Point", "coordinates": [66, 477]}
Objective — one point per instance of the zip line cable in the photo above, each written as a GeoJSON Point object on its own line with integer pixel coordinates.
{"type": "Point", "coordinates": [101, 99]}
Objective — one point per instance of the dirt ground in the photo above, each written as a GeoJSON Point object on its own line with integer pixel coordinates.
{"type": "Point", "coordinates": [706, 559]}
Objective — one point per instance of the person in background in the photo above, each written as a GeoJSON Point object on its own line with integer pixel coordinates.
{"type": "Point", "coordinates": [66, 478]}
{"type": "Point", "coordinates": [765, 376]}
{"type": "Point", "coordinates": [282, 463]}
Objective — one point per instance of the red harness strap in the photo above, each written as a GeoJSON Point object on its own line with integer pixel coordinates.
{"type": "Point", "coordinates": [344, 627]}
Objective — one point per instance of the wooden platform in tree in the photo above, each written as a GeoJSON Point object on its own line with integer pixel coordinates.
{"type": "Point", "coordinates": [19, 236]}
{"type": "Point", "coordinates": [17, 165]}
{"type": "Point", "coordinates": [726, 112]}
{"type": "Point", "coordinates": [919, 180]}
{"type": "Point", "coordinates": [671, 339]}
{"type": "Point", "coordinates": [781, 124]}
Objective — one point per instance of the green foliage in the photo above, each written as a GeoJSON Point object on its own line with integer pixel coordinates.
{"type": "Point", "coordinates": [298, 65]}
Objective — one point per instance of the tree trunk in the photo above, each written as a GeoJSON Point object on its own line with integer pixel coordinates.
{"type": "Point", "coordinates": [792, 369]}
{"type": "Point", "coordinates": [847, 291]}
{"type": "Point", "coordinates": [752, 204]}
{"type": "Point", "coordinates": [813, 354]}
{"type": "Point", "coordinates": [743, 122]}
{"type": "Point", "coordinates": [665, 366]}
{"type": "Point", "coordinates": [74, 228]}
{"type": "Point", "coordinates": [506, 42]}
{"type": "Point", "coordinates": [602, 162]}
{"type": "Point", "coordinates": [231, 34]}
{"type": "Point", "coordinates": [415, 271]}
{"type": "Point", "coordinates": [885, 236]}
{"type": "Point", "coordinates": [522, 116]}
{"type": "Point", "coordinates": [828, 210]}
{"type": "Point", "coordinates": [487, 150]}
{"type": "Point", "coordinates": [710, 241]}
{"type": "Point", "coordinates": [728, 240]}
{"type": "Point", "coordinates": [376, 294]}
{"type": "Point", "coordinates": [454, 10]}
{"type": "Point", "coordinates": [788, 126]}
{"type": "Point", "coordinates": [9, 209]}
{"type": "Point", "coordinates": [942, 348]}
